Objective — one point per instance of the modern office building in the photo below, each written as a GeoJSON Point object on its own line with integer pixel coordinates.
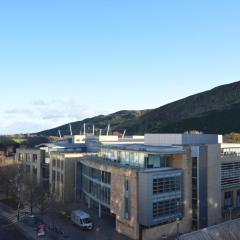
{"type": "Point", "coordinates": [230, 176]}
{"type": "Point", "coordinates": [53, 164]}
{"type": "Point", "coordinates": [153, 186]}
{"type": "Point", "coordinates": [62, 175]}
{"type": "Point", "coordinates": [36, 161]}
{"type": "Point", "coordinates": [171, 182]}
{"type": "Point", "coordinates": [33, 163]}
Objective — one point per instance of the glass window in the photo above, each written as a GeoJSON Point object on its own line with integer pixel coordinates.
{"type": "Point", "coordinates": [58, 163]}
{"type": "Point", "coordinates": [54, 162]}
{"type": "Point", "coordinates": [126, 184]}
{"type": "Point", "coordinates": [166, 208]}
{"type": "Point", "coordinates": [167, 184]}
{"type": "Point", "coordinates": [34, 158]}
{"type": "Point", "coordinates": [53, 175]}
{"type": "Point", "coordinates": [126, 208]}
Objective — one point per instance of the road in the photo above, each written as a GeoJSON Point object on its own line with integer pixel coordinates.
{"type": "Point", "coordinates": [9, 232]}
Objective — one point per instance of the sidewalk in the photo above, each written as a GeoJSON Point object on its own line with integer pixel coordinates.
{"type": "Point", "coordinates": [11, 216]}
{"type": "Point", "coordinates": [104, 228]}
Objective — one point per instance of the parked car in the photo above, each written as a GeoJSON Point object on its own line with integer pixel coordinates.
{"type": "Point", "coordinates": [81, 219]}
{"type": "Point", "coordinates": [32, 220]}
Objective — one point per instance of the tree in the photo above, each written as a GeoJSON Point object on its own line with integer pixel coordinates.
{"type": "Point", "coordinates": [8, 175]}
{"type": "Point", "coordinates": [30, 191]}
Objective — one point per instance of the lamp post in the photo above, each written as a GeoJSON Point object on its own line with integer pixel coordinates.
{"type": "Point", "coordinates": [178, 220]}
{"type": "Point", "coordinates": [230, 213]}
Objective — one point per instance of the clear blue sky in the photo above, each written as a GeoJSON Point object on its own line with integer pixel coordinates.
{"type": "Point", "coordinates": [64, 60]}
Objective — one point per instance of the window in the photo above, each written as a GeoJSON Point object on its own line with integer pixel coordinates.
{"type": "Point", "coordinates": [28, 169]}
{"type": "Point", "coordinates": [20, 157]}
{"type": "Point", "coordinates": [166, 208]}
{"type": "Point", "coordinates": [126, 183]}
{"type": "Point", "coordinates": [157, 161]}
{"type": "Point", "coordinates": [167, 184]}
{"type": "Point", "coordinates": [28, 157]}
{"type": "Point", "coordinates": [34, 158]}
{"type": "Point", "coordinates": [54, 162]}
{"type": "Point", "coordinates": [126, 208]}
{"type": "Point", "coordinates": [228, 199]}
{"type": "Point", "coordinates": [54, 175]}
{"type": "Point", "coordinates": [58, 163]}
{"type": "Point", "coordinates": [105, 177]}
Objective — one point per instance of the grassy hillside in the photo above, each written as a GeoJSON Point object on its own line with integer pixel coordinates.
{"type": "Point", "coordinates": [100, 122]}
{"type": "Point", "coordinates": [213, 111]}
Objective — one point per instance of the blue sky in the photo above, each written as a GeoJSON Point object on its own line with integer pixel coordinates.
{"type": "Point", "coordinates": [62, 61]}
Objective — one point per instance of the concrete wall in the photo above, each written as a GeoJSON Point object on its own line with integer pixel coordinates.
{"type": "Point", "coordinates": [214, 184]}
{"type": "Point", "coordinates": [170, 230]}
{"type": "Point", "coordinates": [181, 139]}
{"type": "Point", "coordinates": [183, 161]}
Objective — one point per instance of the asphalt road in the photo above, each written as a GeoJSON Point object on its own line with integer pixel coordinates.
{"type": "Point", "coordinates": [9, 232]}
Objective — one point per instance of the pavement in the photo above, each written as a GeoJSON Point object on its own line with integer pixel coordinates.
{"type": "Point", "coordinates": [59, 227]}
{"type": "Point", "coordinates": [9, 232]}
{"type": "Point", "coordinates": [104, 227]}
{"type": "Point", "coordinates": [9, 215]}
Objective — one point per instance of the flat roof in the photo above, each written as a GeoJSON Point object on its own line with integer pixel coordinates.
{"type": "Point", "coordinates": [62, 145]}
{"type": "Point", "coordinates": [146, 148]}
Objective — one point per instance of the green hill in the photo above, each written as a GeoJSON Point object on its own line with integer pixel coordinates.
{"type": "Point", "coordinates": [213, 111]}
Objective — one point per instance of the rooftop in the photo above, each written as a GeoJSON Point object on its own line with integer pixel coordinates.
{"type": "Point", "coordinates": [228, 230]}
{"type": "Point", "coordinates": [146, 148]}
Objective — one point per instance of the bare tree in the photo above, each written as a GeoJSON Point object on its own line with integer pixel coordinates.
{"type": "Point", "coordinates": [8, 176]}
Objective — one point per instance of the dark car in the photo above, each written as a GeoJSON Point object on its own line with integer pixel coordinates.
{"type": "Point", "coordinates": [33, 220]}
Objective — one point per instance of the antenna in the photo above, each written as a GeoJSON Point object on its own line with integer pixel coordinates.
{"type": "Point", "coordinates": [108, 129]}
{"type": "Point", "coordinates": [59, 132]}
{"type": "Point", "coordinates": [70, 128]}
{"type": "Point", "coordinates": [124, 133]}
{"type": "Point", "coordinates": [84, 129]}
{"type": "Point", "coordinates": [93, 129]}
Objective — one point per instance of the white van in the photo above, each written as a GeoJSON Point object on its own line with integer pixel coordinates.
{"type": "Point", "coordinates": [81, 219]}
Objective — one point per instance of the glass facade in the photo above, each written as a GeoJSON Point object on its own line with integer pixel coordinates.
{"type": "Point", "coordinates": [167, 208]}
{"type": "Point", "coordinates": [127, 199]}
{"type": "Point", "coordinates": [167, 197]}
{"type": "Point", "coordinates": [168, 184]}
{"type": "Point", "coordinates": [228, 199]}
{"type": "Point", "coordinates": [96, 184]}
{"type": "Point", "coordinates": [231, 151]}
{"type": "Point", "coordinates": [194, 193]}
{"type": "Point", "coordinates": [136, 159]}
{"type": "Point", "coordinates": [230, 175]}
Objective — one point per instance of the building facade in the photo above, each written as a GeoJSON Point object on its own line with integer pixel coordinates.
{"type": "Point", "coordinates": [62, 175]}
{"type": "Point", "coordinates": [171, 182]}
{"type": "Point", "coordinates": [33, 163]}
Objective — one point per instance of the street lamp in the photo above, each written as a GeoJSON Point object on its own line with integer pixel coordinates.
{"type": "Point", "coordinates": [230, 212]}
{"type": "Point", "coordinates": [178, 220]}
